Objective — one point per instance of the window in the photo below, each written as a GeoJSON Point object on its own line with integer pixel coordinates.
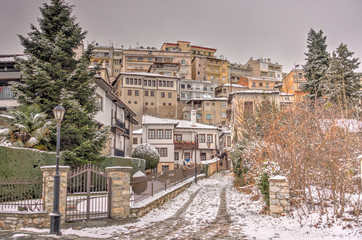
{"type": "Point", "coordinates": [187, 155]}
{"type": "Point", "coordinates": [99, 102]}
{"type": "Point", "coordinates": [171, 83]}
{"type": "Point", "coordinates": [129, 92]}
{"type": "Point", "coordinates": [164, 83]}
{"type": "Point", "coordinates": [163, 152]}
{"type": "Point", "coordinates": [135, 102]}
{"type": "Point", "coordinates": [131, 81]}
{"type": "Point", "coordinates": [169, 104]}
{"type": "Point", "coordinates": [260, 84]}
{"type": "Point", "coordinates": [213, 104]}
{"type": "Point", "coordinates": [151, 133]}
{"type": "Point", "coordinates": [176, 156]}
{"type": "Point", "coordinates": [223, 114]}
{"type": "Point", "coordinates": [146, 103]}
{"type": "Point", "coordinates": [162, 94]}
{"type": "Point", "coordinates": [159, 133]}
{"type": "Point", "coordinates": [136, 92]}
{"type": "Point", "coordinates": [135, 81]}
{"type": "Point", "coordinates": [139, 82]}
{"type": "Point", "coordinates": [183, 61]}
{"type": "Point", "coordinates": [177, 138]}
{"type": "Point", "coordinates": [149, 83]}
{"type": "Point", "coordinates": [168, 83]}
{"type": "Point", "coordinates": [228, 140]}
{"type": "Point", "coordinates": [183, 86]}
{"type": "Point", "coordinates": [129, 102]}
{"type": "Point", "coordinates": [267, 85]}
{"type": "Point", "coordinates": [209, 138]}
{"type": "Point", "coordinates": [203, 156]}
{"type": "Point", "coordinates": [127, 80]}
{"type": "Point", "coordinates": [223, 105]}
{"type": "Point", "coordinates": [140, 59]}
{"type": "Point", "coordinates": [208, 116]}
{"type": "Point", "coordinates": [151, 103]}
{"type": "Point", "coordinates": [146, 93]}
{"type": "Point", "coordinates": [201, 138]}
{"type": "Point", "coordinates": [152, 94]}
{"type": "Point", "coordinates": [144, 82]}
{"type": "Point", "coordinates": [164, 104]}
{"type": "Point", "coordinates": [300, 75]}
{"type": "Point", "coordinates": [169, 95]}
{"type": "Point", "coordinates": [168, 134]}
{"type": "Point", "coordinates": [153, 83]}
{"type": "Point", "coordinates": [164, 168]}
{"type": "Point", "coordinates": [253, 84]}
{"type": "Point", "coordinates": [159, 83]}
{"type": "Point", "coordinates": [135, 140]}
{"type": "Point", "coordinates": [270, 74]}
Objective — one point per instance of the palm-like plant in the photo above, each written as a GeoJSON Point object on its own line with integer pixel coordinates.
{"type": "Point", "coordinates": [28, 126]}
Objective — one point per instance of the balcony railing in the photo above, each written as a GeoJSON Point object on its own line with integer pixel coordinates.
{"type": "Point", "coordinates": [118, 152]}
{"type": "Point", "coordinates": [6, 93]}
{"type": "Point", "coordinates": [120, 124]}
{"type": "Point", "coordinates": [186, 145]}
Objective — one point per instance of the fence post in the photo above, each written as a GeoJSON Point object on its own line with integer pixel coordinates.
{"type": "Point", "coordinates": [120, 195]}
{"type": "Point", "coordinates": [48, 193]}
{"type": "Point", "coordinates": [278, 195]}
{"type": "Point", "coordinates": [153, 178]}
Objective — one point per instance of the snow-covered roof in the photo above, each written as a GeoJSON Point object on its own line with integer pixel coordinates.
{"type": "Point", "coordinates": [209, 98]}
{"type": "Point", "coordinates": [255, 92]}
{"type": "Point", "coordinates": [263, 79]}
{"type": "Point", "coordinates": [138, 131]}
{"type": "Point", "coordinates": [146, 119]}
{"type": "Point", "coordinates": [232, 85]}
{"type": "Point", "coordinates": [286, 94]}
{"type": "Point", "coordinates": [11, 57]}
{"type": "Point", "coordinates": [146, 74]}
{"type": "Point", "coordinates": [187, 124]}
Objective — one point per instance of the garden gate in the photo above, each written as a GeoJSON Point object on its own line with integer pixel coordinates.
{"type": "Point", "coordinates": [88, 194]}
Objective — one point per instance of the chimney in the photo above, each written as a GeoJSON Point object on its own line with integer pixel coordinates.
{"type": "Point", "coordinates": [193, 117]}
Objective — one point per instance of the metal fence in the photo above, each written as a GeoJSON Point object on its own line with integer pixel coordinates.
{"type": "Point", "coordinates": [21, 194]}
{"type": "Point", "coordinates": [145, 187]}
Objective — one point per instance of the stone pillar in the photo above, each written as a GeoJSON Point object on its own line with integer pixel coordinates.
{"type": "Point", "coordinates": [48, 193]}
{"type": "Point", "coordinates": [278, 195]}
{"type": "Point", "coordinates": [120, 187]}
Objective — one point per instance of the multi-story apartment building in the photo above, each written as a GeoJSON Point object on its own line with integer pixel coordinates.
{"type": "Point", "coordinates": [237, 71]}
{"type": "Point", "coordinates": [259, 83]}
{"type": "Point", "coordinates": [178, 142]}
{"type": "Point", "coordinates": [210, 69]}
{"type": "Point", "coordinates": [265, 68]}
{"type": "Point", "coordinates": [293, 83]}
{"type": "Point", "coordinates": [208, 110]}
{"type": "Point", "coordinates": [148, 93]}
{"type": "Point", "coordinates": [225, 89]}
{"type": "Point", "coordinates": [115, 114]}
{"type": "Point", "coordinates": [190, 89]}
{"type": "Point", "coordinates": [184, 46]}
{"type": "Point", "coordinates": [109, 58]}
{"type": "Point", "coordinates": [8, 74]}
{"type": "Point", "coordinates": [175, 63]}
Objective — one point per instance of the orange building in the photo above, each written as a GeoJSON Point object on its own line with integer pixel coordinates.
{"type": "Point", "coordinates": [293, 82]}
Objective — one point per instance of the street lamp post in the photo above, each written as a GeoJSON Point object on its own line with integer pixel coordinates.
{"type": "Point", "coordinates": [55, 215]}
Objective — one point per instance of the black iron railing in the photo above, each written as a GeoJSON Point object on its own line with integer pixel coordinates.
{"type": "Point", "coordinates": [118, 152]}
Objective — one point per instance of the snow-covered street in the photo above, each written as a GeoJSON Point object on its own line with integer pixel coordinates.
{"type": "Point", "coordinates": [214, 209]}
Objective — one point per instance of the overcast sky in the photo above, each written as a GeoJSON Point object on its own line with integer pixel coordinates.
{"type": "Point", "coordinates": [238, 29]}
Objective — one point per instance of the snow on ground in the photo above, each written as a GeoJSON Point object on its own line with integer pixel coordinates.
{"type": "Point", "coordinates": [203, 208]}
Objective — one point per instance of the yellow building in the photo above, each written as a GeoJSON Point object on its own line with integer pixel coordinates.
{"type": "Point", "coordinates": [210, 69]}
{"type": "Point", "coordinates": [293, 82]}
{"type": "Point", "coordinates": [184, 46]}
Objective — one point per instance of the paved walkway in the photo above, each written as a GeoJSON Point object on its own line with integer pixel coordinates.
{"type": "Point", "coordinates": [205, 215]}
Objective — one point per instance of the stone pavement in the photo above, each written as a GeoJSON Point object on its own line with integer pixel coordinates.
{"type": "Point", "coordinates": [187, 223]}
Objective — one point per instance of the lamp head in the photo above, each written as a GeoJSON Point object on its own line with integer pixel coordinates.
{"type": "Point", "coordinates": [59, 113]}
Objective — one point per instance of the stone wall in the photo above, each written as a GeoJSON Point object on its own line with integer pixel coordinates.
{"type": "Point", "coordinates": [279, 195]}
{"type": "Point", "coordinates": [12, 221]}
{"type": "Point", "coordinates": [137, 212]}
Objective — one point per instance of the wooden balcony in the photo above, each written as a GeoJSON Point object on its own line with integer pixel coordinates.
{"type": "Point", "coordinates": [186, 145]}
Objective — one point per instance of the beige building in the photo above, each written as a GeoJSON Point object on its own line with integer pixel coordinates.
{"type": "Point", "coordinates": [148, 93]}
{"type": "Point", "coordinates": [185, 46]}
{"type": "Point", "coordinates": [225, 89]}
{"type": "Point", "coordinates": [175, 63]}
{"type": "Point", "coordinates": [208, 110]}
{"type": "Point", "coordinates": [293, 83]}
{"type": "Point", "coordinates": [243, 103]}
{"type": "Point", "coordinates": [265, 68]}
{"type": "Point", "coordinates": [210, 69]}
{"type": "Point", "coordinates": [178, 142]}
{"type": "Point", "coordinates": [237, 71]}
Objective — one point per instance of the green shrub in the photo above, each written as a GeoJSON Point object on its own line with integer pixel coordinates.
{"type": "Point", "coordinates": [137, 164]}
{"type": "Point", "coordinates": [263, 184]}
{"type": "Point", "coordinates": [24, 162]}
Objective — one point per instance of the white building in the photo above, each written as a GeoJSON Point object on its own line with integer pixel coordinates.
{"type": "Point", "coordinates": [115, 114]}
{"type": "Point", "coordinates": [178, 142]}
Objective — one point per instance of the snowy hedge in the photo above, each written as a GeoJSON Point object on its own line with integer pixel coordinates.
{"type": "Point", "coordinates": [149, 153]}
{"type": "Point", "coordinates": [137, 164]}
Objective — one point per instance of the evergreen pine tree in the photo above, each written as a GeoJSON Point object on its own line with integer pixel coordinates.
{"type": "Point", "coordinates": [51, 75]}
{"type": "Point", "coordinates": [317, 64]}
{"type": "Point", "coordinates": [343, 82]}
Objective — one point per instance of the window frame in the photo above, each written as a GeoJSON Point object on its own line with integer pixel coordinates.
{"type": "Point", "coordinates": [151, 134]}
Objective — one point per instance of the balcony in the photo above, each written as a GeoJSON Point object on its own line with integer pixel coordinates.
{"type": "Point", "coordinates": [118, 152]}
{"type": "Point", "coordinates": [120, 124]}
{"type": "Point", "coordinates": [186, 145]}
